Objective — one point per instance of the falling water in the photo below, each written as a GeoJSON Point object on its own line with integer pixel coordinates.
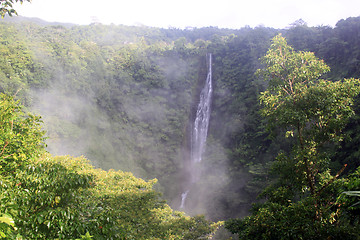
{"type": "Point", "coordinates": [199, 130]}
{"type": "Point", "coordinates": [201, 123]}
{"type": "Point", "coordinates": [183, 198]}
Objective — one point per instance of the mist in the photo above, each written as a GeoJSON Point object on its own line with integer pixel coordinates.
{"type": "Point", "coordinates": [125, 98]}
{"type": "Point", "coordinates": [135, 136]}
{"type": "Point", "coordinates": [120, 122]}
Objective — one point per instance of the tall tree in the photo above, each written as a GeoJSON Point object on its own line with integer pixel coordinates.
{"type": "Point", "coordinates": [314, 112]}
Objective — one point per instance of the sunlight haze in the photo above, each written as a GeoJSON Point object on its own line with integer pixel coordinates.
{"type": "Point", "coordinates": [186, 13]}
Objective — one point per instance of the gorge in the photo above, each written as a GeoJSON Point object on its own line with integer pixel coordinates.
{"type": "Point", "coordinates": [124, 97]}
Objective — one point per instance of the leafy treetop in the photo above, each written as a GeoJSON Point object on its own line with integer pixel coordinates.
{"type": "Point", "coordinates": [6, 7]}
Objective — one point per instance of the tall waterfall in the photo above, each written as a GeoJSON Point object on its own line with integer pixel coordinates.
{"type": "Point", "coordinates": [199, 130]}
{"type": "Point", "coordinates": [201, 123]}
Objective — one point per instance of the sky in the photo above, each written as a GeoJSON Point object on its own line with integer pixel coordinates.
{"type": "Point", "coordinates": [233, 14]}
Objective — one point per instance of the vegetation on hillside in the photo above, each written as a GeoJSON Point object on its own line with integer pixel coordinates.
{"type": "Point", "coordinates": [125, 97]}
{"type": "Point", "coordinates": [46, 197]}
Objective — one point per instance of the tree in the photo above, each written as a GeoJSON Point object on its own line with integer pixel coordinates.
{"type": "Point", "coordinates": [21, 137]}
{"type": "Point", "coordinates": [312, 110]}
{"type": "Point", "coordinates": [21, 140]}
{"type": "Point", "coordinates": [65, 198]}
{"type": "Point", "coordinates": [314, 113]}
{"type": "Point", "coordinates": [6, 7]}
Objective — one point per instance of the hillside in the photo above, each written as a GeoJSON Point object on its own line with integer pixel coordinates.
{"type": "Point", "coordinates": [124, 97]}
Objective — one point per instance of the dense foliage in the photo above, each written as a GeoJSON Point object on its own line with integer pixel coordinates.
{"type": "Point", "coordinates": [45, 197]}
{"type": "Point", "coordinates": [314, 112]}
{"type": "Point", "coordinates": [125, 98]}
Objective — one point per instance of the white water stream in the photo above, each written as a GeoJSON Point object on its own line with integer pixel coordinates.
{"type": "Point", "coordinates": [199, 131]}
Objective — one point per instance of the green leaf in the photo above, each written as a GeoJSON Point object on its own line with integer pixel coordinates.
{"type": "Point", "coordinates": [7, 219]}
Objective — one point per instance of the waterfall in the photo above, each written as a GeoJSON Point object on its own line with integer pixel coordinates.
{"type": "Point", "coordinates": [199, 130]}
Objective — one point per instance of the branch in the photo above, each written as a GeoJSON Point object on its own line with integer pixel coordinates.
{"type": "Point", "coordinates": [8, 156]}
{"type": "Point", "coordinates": [309, 175]}
{"type": "Point", "coordinates": [7, 143]}
{"type": "Point", "coordinates": [332, 180]}
{"type": "Point", "coordinates": [286, 90]}
{"type": "Point", "coordinates": [291, 84]}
